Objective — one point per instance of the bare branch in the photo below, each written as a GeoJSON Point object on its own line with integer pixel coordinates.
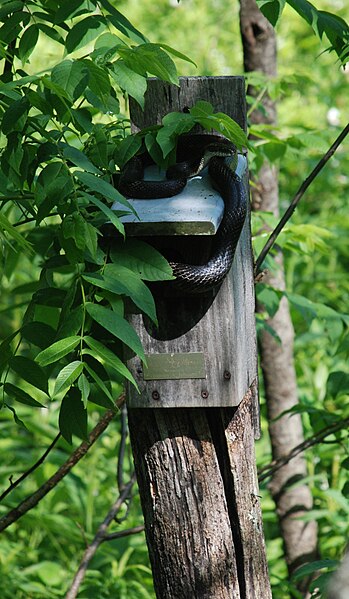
{"type": "Point", "coordinates": [30, 470]}
{"type": "Point", "coordinates": [75, 457]}
{"type": "Point", "coordinates": [98, 539]}
{"type": "Point", "coordinates": [268, 470]}
{"type": "Point", "coordinates": [123, 533]}
{"type": "Point", "coordinates": [298, 196]}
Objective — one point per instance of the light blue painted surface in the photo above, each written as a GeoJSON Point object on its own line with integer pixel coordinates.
{"type": "Point", "coordinates": [198, 209]}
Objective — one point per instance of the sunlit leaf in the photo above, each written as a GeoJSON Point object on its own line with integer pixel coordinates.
{"type": "Point", "coordinates": [67, 376]}
{"type": "Point", "coordinates": [142, 258]}
{"type": "Point", "coordinates": [117, 326]}
{"type": "Point", "coordinates": [84, 32]}
{"type": "Point", "coordinates": [84, 386]}
{"type": "Point", "coordinates": [57, 350]}
{"type": "Point", "coordinates": [101, 352]}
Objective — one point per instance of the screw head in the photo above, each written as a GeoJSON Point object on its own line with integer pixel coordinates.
{"type": "Point", "coordinates": [227, 375]}
{"type": "Point", "coordinates": [155, 395]}
{"type": "Point", "coordinates": [204, 394]}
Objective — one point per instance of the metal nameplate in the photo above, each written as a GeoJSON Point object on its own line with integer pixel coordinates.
{"type": "Point", "coordinates": [175, 366]}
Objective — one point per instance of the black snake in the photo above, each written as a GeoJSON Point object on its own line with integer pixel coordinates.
{"type": "Point", "coordinates": [191, 278]}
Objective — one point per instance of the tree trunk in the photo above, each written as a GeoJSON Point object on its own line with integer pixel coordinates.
{"type": "Point", "coordinates": [196, 466]}
{"type": "Point", "coordinates": [299, 537]}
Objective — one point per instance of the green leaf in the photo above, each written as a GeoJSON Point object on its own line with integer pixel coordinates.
{"type": "Point", "coordinates": [12, 232]}
{"type": "Point", "coordinates": [322, 22]}
{"type": "Point", "coordinates": [269, 298]}
{"type": "Point", "coordinates": [129, 81]}
{"type": "Point", "coordinates": [67, 376]}
{"type": "Point", "coordinates": [207, 118]}
{"type": "Point", "coordinates": [175, 52]}
{"type": "Point", "coordinates": [150, 58]}
{"type": "Point", "coordinates": [312, 567]}
{"type": "Point", "coordinates": [17, 420]}
{"type": "Point", "coordinates": [102, 353]}
{"type": "Point", "coordinates": [21, 396]}
{"type": "Point", "coordinates": [271, 9]}
{"type": "Point", "coordinates": [84, 32]}
{"type": "Point", "coordinates": [29, 371]}
{"type": "Point", "coordinates": [12, 26]}
{"type": "Point", "coordinates": [6, 351]}
{"type": "Point", "coordinates": [108, 212]}
{"type": "Point", "coordinates": [311, 310]}
{"type": "Point", "coordinates": [103, 387]}
{"type": "Point", "coordinates": [142, 258]}
{"type": "Point", "coordinates": [102, 187]}
{"type": "Point", "coordinates": [174, 124]}
{"type": "Point", "coordinates": [71, 321]}
{"type": "Point", "coordinates": [73, 417]}
{"type": "Point", "coordinates": [38, 333]}
{"type": "Point", "coordinates": [57, 350]}
{"type": "Point", "coordinates": [50, 573]}
{"type": "Point", "coordinates": [9, 8]}
{"type": "Point", "coordinates": [338, 383]}
{"type": "Point", "coordinates": [49, 296]}
{"type": "Point", "coordinates": [15, 116]}
{"type": "Point", "coordinates": [74, 227]}
{"type": "Point", "coordinates": [69, 9]}
{"type": "Point", "coordinates": [117, 326]}
{"type": "Point", "coordinates": [121, 280]}
{"type": "Point", "coordinates": [27, 42]}
{"type": "Point", "coordinates": [79, 159]}
{"type": "Point", "coordinates": [106, 104]}
{"type": "Point", "coordinates": [126, 149]}
{"type": "Point", "coordinates": [51, 32]}
{"type": "Point", "coordinates": [98, 81]}
{"type": "Point", "coordinates": [91, 240]}
{"type": "Point", "coordinates": [72, 77]}
{"type": "Point", "coordinates": [84, 386]}
{"type": "Point", "coordinates": [122, 24]}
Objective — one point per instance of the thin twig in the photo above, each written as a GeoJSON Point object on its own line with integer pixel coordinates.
{"type": "Point", "coordinates": [30, 470]}
{"type": "Point", "coordinates": [75, 457]}
{"type": "Point", "coordinates": [301, 191]}
{"type": "Point", "coordinates": [123, 533]}
{"type": "Point", "coordinates": [98, 539]}
{"type": "Point", "coordinates": [275, 465]}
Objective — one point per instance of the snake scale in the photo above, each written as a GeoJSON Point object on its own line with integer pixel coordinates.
{"type": "Point", "coordinates": [193, 278]}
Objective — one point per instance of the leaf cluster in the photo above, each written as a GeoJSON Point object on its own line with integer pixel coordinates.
{"type": "Point", "coordinates": [62, 131]}
{"type": "Point", "coordinates": [323, 23]}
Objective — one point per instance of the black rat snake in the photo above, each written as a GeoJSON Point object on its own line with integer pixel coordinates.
{"type": "Point", "coordinates": [192, 278]}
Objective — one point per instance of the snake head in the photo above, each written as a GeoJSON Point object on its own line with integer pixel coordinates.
{"type": "Point", "coordinates": [219, 150]}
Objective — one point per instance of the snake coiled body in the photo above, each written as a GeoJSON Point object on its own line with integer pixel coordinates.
{"type": "Point", "coordinates": [192, 278]}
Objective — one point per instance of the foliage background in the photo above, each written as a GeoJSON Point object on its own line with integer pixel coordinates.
{"type": "Point", "coordinates": [40, 553]}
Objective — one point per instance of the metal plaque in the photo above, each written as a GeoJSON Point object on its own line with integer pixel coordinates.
{"type": "Point", "coordinates": [175, 366]}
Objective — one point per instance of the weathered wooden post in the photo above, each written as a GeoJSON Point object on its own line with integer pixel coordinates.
{"type": "Point", "coordinates": [193, 425]}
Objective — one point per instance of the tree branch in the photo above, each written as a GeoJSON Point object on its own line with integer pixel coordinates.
{"type": "Point", "coordinates": [298, 196]}
{"type": "Point", "coordinates": [269, 469]}
{"type": "Point", "coordinates": [30, 470]}
{"type": "Point", "coordinates": [98, 539]}
{"type": "Point", "coordinates": [75, 457]}
{"type": "Point", "coordinates": [123, 533]}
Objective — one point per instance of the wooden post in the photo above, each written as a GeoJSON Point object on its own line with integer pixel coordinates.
{"type": "Point", "coordinates": [196, 466]}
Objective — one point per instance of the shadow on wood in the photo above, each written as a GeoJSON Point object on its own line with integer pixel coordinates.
{"type": "Point", "coordinates": [196, 465]}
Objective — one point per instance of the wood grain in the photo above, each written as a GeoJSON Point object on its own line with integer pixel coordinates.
{"type": "Point", "coordinates": [195, 466]}
{"type": "Point", "coordinates": [225, 331]}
